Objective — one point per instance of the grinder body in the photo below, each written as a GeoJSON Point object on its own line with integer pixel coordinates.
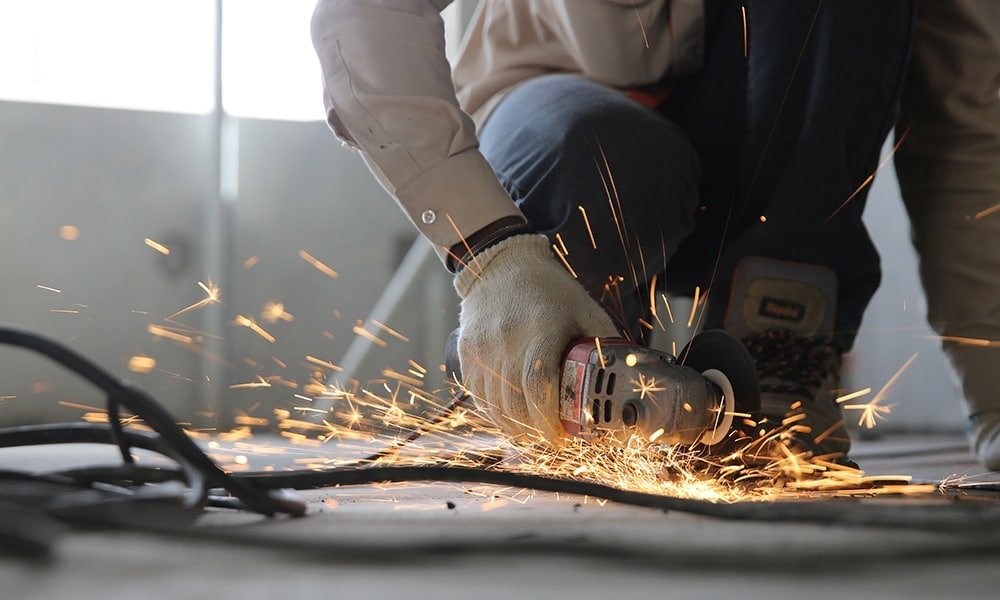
{"type": "Point", "coordinates": [611, 389]}
{"type": "Point", "coordinates": [621, 388]}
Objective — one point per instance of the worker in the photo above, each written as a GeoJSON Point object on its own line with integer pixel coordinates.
{"type": "Point", "coordinates": [585, 155]}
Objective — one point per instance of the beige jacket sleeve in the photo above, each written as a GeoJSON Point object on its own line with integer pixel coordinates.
{"type": "Point", "coordinates": [389, 94]}
{"type": "Point", "coordinates": [949, 174]}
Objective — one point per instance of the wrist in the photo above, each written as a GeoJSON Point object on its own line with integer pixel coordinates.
{"type": "Point", "coordinates": [463, 252]}
{"type": "Point", "coordinates": [506, 264]}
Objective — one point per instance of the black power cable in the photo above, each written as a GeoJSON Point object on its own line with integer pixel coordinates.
{"type": "Point", "coordinates": [965, 516]}
{"type": "Point", "coordinates": [202, 472]}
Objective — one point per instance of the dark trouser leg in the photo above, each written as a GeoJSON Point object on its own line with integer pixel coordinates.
{"type": "Point", "coordinates": [821, 82]}
{"type": "Point", "coordinates": [560, 142]}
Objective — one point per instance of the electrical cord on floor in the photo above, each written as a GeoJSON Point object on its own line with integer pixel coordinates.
{"type": "Point", "coordinates": [265, 492]}
{"type": "Point", "coordinates": [200, 471]}
{"type": "Point", "coordinates": [961, 516]}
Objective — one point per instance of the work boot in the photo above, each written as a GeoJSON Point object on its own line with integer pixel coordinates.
{"type": "Point", "coordinates": [784, 313]}
{"type": "Point", "coordinates": [984, 434]}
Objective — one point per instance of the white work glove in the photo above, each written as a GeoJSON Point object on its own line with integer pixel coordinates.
{"type": "Point", "coordinates": [520, 311]}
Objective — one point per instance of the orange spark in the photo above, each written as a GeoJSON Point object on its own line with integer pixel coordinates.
{"type": "Point", "coordinates": [600, 353]}
{"type": "Point", "coordinates": [212, 294]}
{"type": "Point", "coordinates": [652, 303]}
{"type": "Point", "coordinates": [746, 32]}
{"type": "Point", "coordinates": [564, 262]}
{"type": "Point", "coordinates": [141, 364]}
{"type": "Point", "coordinates": [259, 383]}
{"type": "Point", "coordinates": [361, 331]}
{"type": "Point", "coordinates": [274, 312]}
{"type": "Point", "coordinates": [590, 232]}
{"type": "Point", "coordinates": [157, 246]}
{"type": "Point", "coordinates": [988, 211]}
{"type": "Point", "coordinates": [562, 245]}
{"type": "Point", "coordinates": [646, 387]}
{"type": "Point", "coordinates": [69, 233]}
{"type": "Point", "coordinates": [170, 335]}
{"type": "Point", "coordinates": [895, 377]}
{"type": "Point", "coordinates": [871, 177]}
{"type": "Point", "coordinates": [694, 305]}
{"type": "Point", "coordinates": [391, 374]}
{"type": "Point", "coordinates": [323, 363]}
{"type": "Point", "coordinates": [468, 249]}
{"type": "Point", "coordinates": [390, 331]}
{"type": "Point", "coordinates": [317, 264]}
{"type": "Point", "coordinates": [829, 430]}
{"type": "Point", "coordinates": [873, 410]}
{"type": "Point", "coordinates": [853, 395]}
{"type": "Point", "coordinates": [670, 314]}
{"type": "Point", "coordinates": [253, 326]}
{"type": "Point", "coordinates": [966, 341]}
{"type": "Point", "coordinates": [642, 28]}
{"type": "Point", "coordinates": [619, 216]}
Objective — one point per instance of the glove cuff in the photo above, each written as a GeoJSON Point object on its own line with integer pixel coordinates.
{"type": "Point", "coordinates": [512, 252]}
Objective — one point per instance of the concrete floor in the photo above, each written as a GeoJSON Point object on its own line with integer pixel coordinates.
{"type": "Point", "coordinates": [377, 541]}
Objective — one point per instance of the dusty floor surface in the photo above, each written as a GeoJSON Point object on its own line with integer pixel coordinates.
{"type": "Point", "coordinates": [405, 541]}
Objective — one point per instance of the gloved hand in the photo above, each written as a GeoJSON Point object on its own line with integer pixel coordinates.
{"type": "Point", "coordinates": [520, 310]}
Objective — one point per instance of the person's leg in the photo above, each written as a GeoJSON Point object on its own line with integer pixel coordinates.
{"type": "Point", "coordinates": [559, 143]}
{"type": "Point", "coordinates": [788, 126]}
{"type": "Point", "coordinates": [822, 79]}
{"type": "Point", "coordinates": [949, 174]}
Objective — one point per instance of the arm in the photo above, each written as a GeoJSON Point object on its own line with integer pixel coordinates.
{"type": "Point", "coordinates": [389, 95]}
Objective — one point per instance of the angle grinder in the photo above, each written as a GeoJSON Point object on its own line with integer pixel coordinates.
{"type": "Point", "coordinates": [615, 388]}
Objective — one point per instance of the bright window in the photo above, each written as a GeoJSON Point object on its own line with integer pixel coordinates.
{"type": "Point", "coordinates": [135, 54]}
{"type": "Point", "coordinates": [269, 67]}
{"type": "Point", "coordinates": [159, 55]}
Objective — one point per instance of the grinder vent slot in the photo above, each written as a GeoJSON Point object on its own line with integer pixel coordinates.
{"type": "Point", "coordinates": [599, 383]}
{"type": "Point", "coordinates": [607, 411]}
{"type": "Point", "coordinates": [611, 383]}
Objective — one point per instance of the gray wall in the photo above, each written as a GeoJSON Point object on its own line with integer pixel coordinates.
{"type": "Point", "coordinates": [119, 176]}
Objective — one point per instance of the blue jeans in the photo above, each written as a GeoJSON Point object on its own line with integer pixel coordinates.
{"type": "Point", "coordinates": [787, 132]}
